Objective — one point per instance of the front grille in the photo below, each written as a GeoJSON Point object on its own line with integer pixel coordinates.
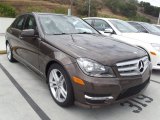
{"type": "Point", "coordinates": [133, 90]}
{"type": "Point", "coordinates": [131, 68]}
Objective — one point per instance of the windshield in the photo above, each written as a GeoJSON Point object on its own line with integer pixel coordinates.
{"type": "Point", "coordinates": [151, 28]}
{"type": "Point", "coordinates": [123, 26]}
{"type": "Point", "coordinates": [60, 24]}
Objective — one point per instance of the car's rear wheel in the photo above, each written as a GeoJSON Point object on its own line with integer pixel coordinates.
{"type": "Point", "coordinates": [60, 85]}
{"type": "Point", "coordinates": [9, 53]}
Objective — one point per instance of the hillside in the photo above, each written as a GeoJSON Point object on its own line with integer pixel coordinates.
{"type": "Point", "coordinates": [61, 6]}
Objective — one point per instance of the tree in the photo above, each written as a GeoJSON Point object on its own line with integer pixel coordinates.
{"type": "Point", "coordinates": [82, 7]}
{"type": "Point", "coordinates": [7, 11]}
{"type": "Point", "coordinates": [150, 9]}
{"type": "Point", "coordinates": [126, 8]}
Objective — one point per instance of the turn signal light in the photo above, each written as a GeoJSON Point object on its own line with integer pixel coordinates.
{"type": "Point", "coordinates": [153, 53]}
{"type": "Point", "coordinates": [78, 81]}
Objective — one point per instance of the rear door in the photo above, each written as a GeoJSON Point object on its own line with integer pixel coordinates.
{"type": "Point", "coordinates": [13, 36]}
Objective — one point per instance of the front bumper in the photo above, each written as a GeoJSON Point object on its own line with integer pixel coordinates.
{"type": "Point", "coordinates": [156, 67]}
{"type": "Point", "coordinates": [155, 62]}
{"type": "Point", "coordinates": [105, 98]}
{"type": "Point", "coordinates": [104, 91]}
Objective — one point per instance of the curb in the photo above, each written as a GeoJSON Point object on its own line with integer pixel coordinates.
{"type": "Point", "coordinates": [3, 52]}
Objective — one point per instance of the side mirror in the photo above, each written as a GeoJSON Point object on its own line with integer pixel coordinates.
{"type": "Point", "coordinates": [108, 30]}
{"type": "Point", "coordinates": [28, 33]}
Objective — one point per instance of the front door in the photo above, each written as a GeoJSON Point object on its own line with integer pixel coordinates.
{"type": "Point", "coordinates": [31, 44]}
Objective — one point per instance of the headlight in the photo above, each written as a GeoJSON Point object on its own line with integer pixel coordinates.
{"type": "Point", "coordinates": [156, 46]}
{"type": "Point", "coordinates": [95, 69]}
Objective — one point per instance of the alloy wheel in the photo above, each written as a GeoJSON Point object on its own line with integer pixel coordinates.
{"type": "Point", "coordinates": [9, 53]}
{"type": "Point", "coordinates": [58, 85]}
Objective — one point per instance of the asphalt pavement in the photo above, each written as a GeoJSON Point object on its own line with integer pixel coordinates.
{"type": "Point", "coordinates": [25, 96]}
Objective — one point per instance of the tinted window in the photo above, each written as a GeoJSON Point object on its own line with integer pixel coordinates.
{"type": "Point", "coordinates": [19, 22]}
{"type": "Point", "coordinates": [150, 28]}
{"type": "Point", "coordinates": [101, 25]}
{"type": "Point", "coordinates": [60, 24]}
{"type": "Point", "coordinates": [30, 23]}
{"type": "Point", "coordinates": [89, 21]}
{"type": "Point", "coordinates": [123, 26]}
{"type": "Point", "coordinates": [139, 27]}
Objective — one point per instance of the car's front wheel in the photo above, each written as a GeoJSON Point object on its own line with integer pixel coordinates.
{"type": "Point", "coordinates": [60, 85]}
{"type": "Point", "coordinates": [9, 53]}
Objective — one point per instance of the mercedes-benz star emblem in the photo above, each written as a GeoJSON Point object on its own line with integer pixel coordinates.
{"type": "Point", "coordinates": [141, 66]}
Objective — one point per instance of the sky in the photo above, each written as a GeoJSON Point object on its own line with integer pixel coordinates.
{"type": "Point", "coordinates": [152, 2]}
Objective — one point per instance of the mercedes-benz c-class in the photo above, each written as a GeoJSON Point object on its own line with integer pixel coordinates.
{"type": "Point", "coordinates": [79, 64]}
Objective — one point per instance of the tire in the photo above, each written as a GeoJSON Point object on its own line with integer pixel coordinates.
{"type": "Point", "coordinates": [60, 85]}
{"type": "Point", "coordinates": [9, 53]}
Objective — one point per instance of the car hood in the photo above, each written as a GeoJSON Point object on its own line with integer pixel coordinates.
{"type": "Point", "coordinates": [143, 37]}
{"type": "Point", "coordinates": [155, 33]}
{"type": "Point", "coordinates": [102, 49]}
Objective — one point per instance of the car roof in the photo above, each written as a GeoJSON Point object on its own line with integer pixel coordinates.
{"type": "Point", "coordinates": [102, 18]}
{"type": "Point", "coordinates": [137, 22]}
{"type": "Point", "coordinates": [42, 13]}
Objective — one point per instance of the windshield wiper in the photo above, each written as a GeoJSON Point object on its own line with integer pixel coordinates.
{"type": "Point", "coordinates": [59, 33]}
{"type": "Point", "coordinates": [72, 33]}
{"type": "Point", "coordinates": [85, 33]}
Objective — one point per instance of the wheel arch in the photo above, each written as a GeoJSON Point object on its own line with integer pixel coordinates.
{"type": "Point", "coordinates": [51, 63]}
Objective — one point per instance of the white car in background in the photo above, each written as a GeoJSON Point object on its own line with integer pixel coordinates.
{"type": "Point", "coordinates": [158, 26]}
{"type": "Point", "coordinates": [123, 31]}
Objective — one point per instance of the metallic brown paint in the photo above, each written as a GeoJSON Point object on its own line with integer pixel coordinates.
{"type": "Point", "coordinates": [42, 51]}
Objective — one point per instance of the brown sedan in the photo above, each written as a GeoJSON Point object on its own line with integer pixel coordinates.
{"type": "Point", "coordinates": [78, 63]}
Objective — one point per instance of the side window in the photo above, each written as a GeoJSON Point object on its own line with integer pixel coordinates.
{"type": "Point", "coordinates": [101, 25]}
{"type": "Point", "coordinates": [139, 27]}
{"type": "Point", "coordinates": [30, 23]}
{"type": "Point", "coordinates": [18, 24]}
{"type": "Point", "coordinates": [89, 22]}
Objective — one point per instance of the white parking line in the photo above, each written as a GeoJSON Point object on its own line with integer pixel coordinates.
{"type": "Point", "coordinates": [144, 107]}
{"type": "Point", "coordinates": [12, 103]}
{"type": "Point", "coordinates": [35, 107]}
